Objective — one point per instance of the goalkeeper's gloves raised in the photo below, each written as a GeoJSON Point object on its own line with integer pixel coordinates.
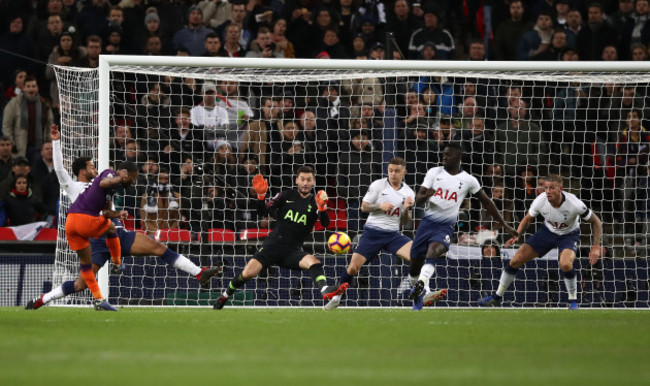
{"type": "Point", "coordinates": [117, 269]}
{"type": "Point", "coordinates": [261, 186]}
{"type": "Point", "coordinates": [321, 200]}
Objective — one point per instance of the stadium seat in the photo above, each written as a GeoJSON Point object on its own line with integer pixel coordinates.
{"type": "Point", "coordinates": [254, 234]}
{"type": "Point", "coordinates": [216, 235]}
{"type": "Point", "coordinates": [7, 234]}
{"type": "Point", "coordinates": [338, 220]}
{"type": "Point", "coordinates": [46, 234]}
{"type": "Point", "coordinates": [174, 235]}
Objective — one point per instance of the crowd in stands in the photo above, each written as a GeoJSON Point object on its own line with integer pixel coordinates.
{"type": "Point", "coordinates": [198, 143]}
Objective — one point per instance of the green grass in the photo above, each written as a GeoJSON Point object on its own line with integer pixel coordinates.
{"type": "Point", "coordinates": [55, 346]}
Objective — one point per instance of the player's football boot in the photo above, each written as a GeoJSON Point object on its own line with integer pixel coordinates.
{"type": "Point", "coordinates": [417, 290]}
{"type": "Point", "coordinates": [207, 273]}
{"type": "Point", "coordinates": [573, 306]}
{"type": "Point", "coordinates": [417, 302]}
{"type": "Point", "coordinates": [103, 305]}
{"type": "Point", "coordinates": [333, 304]}
{"type": "Point", "coordinates": [35, 304]}
{"type": "Point", "coordinates": [333, 290]}
{"type": "Point", "coordinates": [220, 302]}
{"type": "Point", "coordinates": [431, 297]}
{"type": "Point", "coordinates": [489, 301]}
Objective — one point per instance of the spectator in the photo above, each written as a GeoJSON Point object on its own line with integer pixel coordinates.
{"type": "Point", "coordinates": [610, 54]}
{"type": "Point", "coordinates": [479, 148]}
{"type": "Point", "coordinates": [288, 153]}
{"type": "Point", "coordinates": [148, 174]}
{"type": "Point", "coordinates": [48, 38]}
{"type": "Point", "coordinates": [115, 16]}
{"type": "Point", "coordinates": [5, 156]}
{"type": "Point", "coordinates": [21, 205]}
{"type": "Point", "coordinates": [229, 98]}
{"type": "Point", "coordinates": [356, 171]}
{"type": "Point", "coordinates": [215, 12]}
{"type": "Point", "coordinates": [504, 206]}
{"type": "Point", "coordinates": [640, 32]}
{"type": "Point", "coordinates": [114, 44]}
{"type": "Point", "coordinates": [518, 140]}
{"type": "Point", "coordinates": [65, 54]}
{"type": "Point", "coordinates": [255, 139]}
{"type": "Point", "coordinates": [211, 118]}
{"type": "Point", "coordinates": [154, 107]}
{"type": "Point", "coordinates": [525, 191]}
{"type": "Point", "coordinates": [153, 46]}
{"type": "Point", "coordinates": [37, 27]}
{"type": "Point", "coordinates": [641, 201]}
{"type": "Point", "coordinates": [490, 250]}
{"type": "Point", "coordinates": [17, 87]}
{"type": "Point", "coordinates": [556, 49]}
{"type": "Point", "coordinates": [246, 215]}
{"type": "Point", "coordinates": [368, 30]}
{"type": "Point", "coordinates": [45, 177]}
{"type": "Point", "coordinates": [134, 13]}
{"type": "Point", "coordinates": [562, 8]}
{"type": "Point", "coordinates": [623, 22]}
{"type": "Point", "coordinates": [232, 48]}
{"type": "Point", "coordinates": [192, 36]}
{"type": "Point", "coordinates": [93, 50]}
{"type": "Point", "coordinates": [237, 17]}
{"type": "Point", "coordinates": [132, 152]}
{"type": "Point", "coordinates": [185, 138]}
{"type": "Point", "coordinates": [263, 46]}
{"type": "Point", "coordinates": [212, 44]}
{"type": "Point", "coordinates": [509, 32]}
{"type": "Point", "coordinates": [493, 176]}
{"type": "Point", "coordinates": [118, 142]}
{"type": "Point", "coordinates": [283, 45]}
{"type": "Point", "coordinates": [152, 27]}
{"type": "Point", "coordinates": [27, 119]}
{"type": "Point", "coordinates": [331, 44]}
{"type": "Point", "coordinates": [432, 32]}
{"type": "Point", "coordinates": [639, 52]}
{"type": "Point", "coordinates": [93, 18]}
{"type": "Point", "coordinates": [377, 51]}
{"type": "Point", "coordinates": [591, 40]}
{"type": "Point", "coordinates": [359, 47]}
{"type": "Point", "coordinates": [19, 166]}
{"type": "Point", "coordinates": [401, 23]}
{"type": "Point", "coordinates": [476, 50]}
{"type": "Point", "coordinates": [536, 40]}
{"type": "Point", "coordinates": [573, 27]}
{"type": "Point", "coordinates": [315, 143]}
{"type": "Point", "coordinates": [160, 205]}
{"type": "Point", "coordinates": [23, 48]}
{"type": "Point", "coordinates": [333, 117]}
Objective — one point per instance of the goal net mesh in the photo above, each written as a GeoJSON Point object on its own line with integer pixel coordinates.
{"type": "Point", "coordinates": [199, 135]}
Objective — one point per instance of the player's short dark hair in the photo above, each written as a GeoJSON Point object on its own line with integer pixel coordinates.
{"type": "Point", "coordinates": [455, 146]}
{"type": "Point", "coordinates": [397, 161]}
{"type": "Point", "coordinates": [555, 178]}
{"type": "Point", "coordinates": [130, 167]}
{"type": "Point", "coordinates": [79, 164]}
{"type": "Point", "coordinates": [305, 169]}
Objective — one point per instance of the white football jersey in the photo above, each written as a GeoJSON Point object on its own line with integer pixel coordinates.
{"type": "Point", "coordinates": [71, 187]}
{"type": "Point", "coordinates": [381, 191]}
{"type": "Point", "coordinates": [450, 193]}
{"type": "Point", "coordinates": [201, 116]}
{"type": "Point", "coordinates": [562, 220]}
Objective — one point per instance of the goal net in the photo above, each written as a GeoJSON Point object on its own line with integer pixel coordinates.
{"type": "Point", "coordinates": [201, 128]}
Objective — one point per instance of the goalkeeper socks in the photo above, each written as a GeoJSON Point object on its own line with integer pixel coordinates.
{"type": "Point", "coordinates": [346, 277]}
{"type": "Point", "coordinates": [571, 283]}
{"type": "Point", "coordinates": [181, 262]}
{"type": "Point", "coordinates": [318, 276]}
{"type": "Point", "coordinates": [64, 289]}
{"type": "Point", "coordinates": [507, 277]}
{"type": "Point", "coordinates": [113, 244]}
{"type": "Point", "coordinates": [89, 277]}
{"type": "Point", "coordinates": [426, 272]}
{"type": "Point", "coordinates": [234, 284]}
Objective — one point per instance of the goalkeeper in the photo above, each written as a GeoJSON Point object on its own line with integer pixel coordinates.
{"type": "Point", "coordinates": [132, 243]}
{"type": "Point", "coordinates": [296, 212]}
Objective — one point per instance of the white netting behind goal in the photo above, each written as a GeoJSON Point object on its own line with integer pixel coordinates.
{"type": "Point", "coordinates": [199, 134]}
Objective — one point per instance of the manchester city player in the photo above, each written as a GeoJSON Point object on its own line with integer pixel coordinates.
{"type": "Point", "coordinates": [562, 212]}
{"type": "Point", "coordinates": [296, 212]}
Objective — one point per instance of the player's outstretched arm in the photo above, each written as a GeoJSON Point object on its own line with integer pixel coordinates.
{"type": "Point", "coordinates": [57, 157]}
{"type": "Point", "coordinates": [597, 229]}
{"type": "Point", "coordinates": [321, 202]}
{"type": "Point", "coordinates": [488, 204]}
{"type": "Point", "coordinates": [523, 225]}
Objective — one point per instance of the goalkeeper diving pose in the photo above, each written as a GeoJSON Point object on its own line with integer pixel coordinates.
{"type": "Point", "coordinates": [131, 243]}
{"type": "Point", "coordinates": [561, 229]}
{"type": "Point", "coordinates": [389, 201]}
{"type": "Point", "coordinates": [296, 212]}
{"type": "Point", "coordinates": [444, 189]}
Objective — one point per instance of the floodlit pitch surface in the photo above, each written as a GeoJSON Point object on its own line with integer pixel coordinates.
{"type": "Point", "coordinates": [146, 346]}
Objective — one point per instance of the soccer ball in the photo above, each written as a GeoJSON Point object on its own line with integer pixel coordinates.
{"type": "Point", "coordinates": [339, 243]}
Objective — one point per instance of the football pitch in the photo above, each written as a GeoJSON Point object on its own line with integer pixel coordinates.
{"type": "Point", "coordinates": [146, 346]}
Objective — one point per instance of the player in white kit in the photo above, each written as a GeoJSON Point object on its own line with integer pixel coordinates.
{"type": "Point", "coordinates": [562, 212]}
{"type": "Point", "coordinates": [444, 189]}
{"type": "Point", "coordinates": [388, 202]}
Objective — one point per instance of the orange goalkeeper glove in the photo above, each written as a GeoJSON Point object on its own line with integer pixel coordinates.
{"type": "Point", "coordinates": [261, 186]}
{"type": "Point", "coordinates": [321, 200]}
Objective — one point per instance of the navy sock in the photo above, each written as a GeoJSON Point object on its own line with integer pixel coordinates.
{"type": "Point", "coordinates": [170, 256]}
{"type": "Point", "coordinates": [570, 274]}
{"type": "Point", "coordinates": [430, 261]}
{"type": "Point", "coordinates": [68, 287]}
{"type": "Point", "coordinates": [510, 269]}
{"type": "Point", "coordinates": [346, 277]}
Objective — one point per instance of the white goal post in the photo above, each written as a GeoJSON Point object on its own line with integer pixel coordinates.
{"type": "Point", "coordinates": [569, 118]}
